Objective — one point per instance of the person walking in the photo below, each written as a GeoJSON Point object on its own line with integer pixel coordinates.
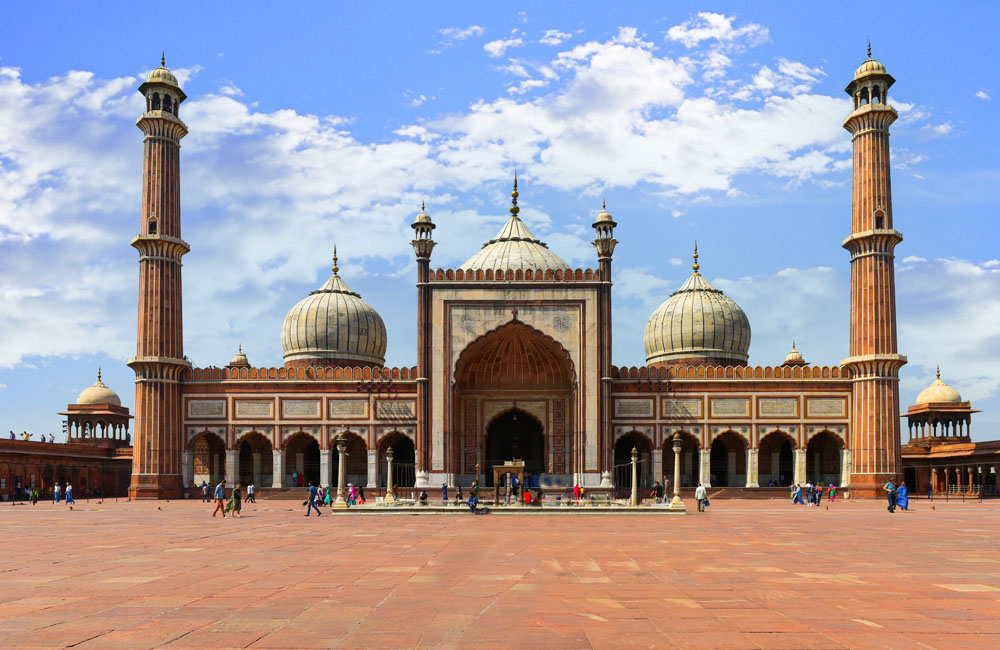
{"type": "Point", "coordinates": [701, 495]}
{"type": "Point", "coordinates": [444, 494]}
{"type": "Point", "coordinates": [237, 500]}
{"type": "Point", "coordinates": [890, 493]}
{"type": "Point", "coordinates": [55, 492]}
{"type": "Point", "coordinates": [204, 491]}
{"type": "Point", "coordinates": [361, 495]}
{"type": "Point", "coordinates": [69, 494]}
{"type": "Point", "coordinates": [328, 497]}
{"type": "Point", "coordinates": [809, 493]}
{"type": "Point", "coordinates": [796, 493]}
{"type": "Point", "coordinates": [220, 498]}
{"type": "Point", "coordinates": [352, 495]}
{"type": "Point", "coordinates": [576, 493]}
{"type": "Point", "coordinates": [930, 491]}
{"type": "Point", "coordinates": [311, 503]}
{"type": "Point", "coordinates": [903, 496]}
{"type": "Point", "coordinates": [833, 493]}
{"type": "Point", "coordinates": [251, 494]}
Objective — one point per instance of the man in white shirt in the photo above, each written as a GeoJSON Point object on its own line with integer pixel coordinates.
{"type": "Point", "coordinates": [701, 494]}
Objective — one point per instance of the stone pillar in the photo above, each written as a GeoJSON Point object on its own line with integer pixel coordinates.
{"type": "Point", "coordinates": [658, 464]}
{"type": "Point", "coordinates": [232, 460]}
{"type": "Point", "coordinates": [277, 467]}
{"type": "Point", "coordinates": [934, 480]}
{"type": "Point", "coordinates": [341, 501]}
{"type": "Point", "coordinates": [705, 471]}
{"type": "Point", "coordinates": [634, 501]}
{"type": "Point", "coordinates": [188, 467]}
{"type": "Point", "coordinates": [389, 496]}
{"type": "Point", "coordinates": [324, 467]}
{"type": "Point", "coordinates": [372, 468]}
{"type": "Point", "coordinates": [972, 481]}
{"type": "Point", "coordinates": [675, 502]}
{"type": "Point", "coordinates": [752, 469]}
{"type": "Point", "coordinates": [800, 467]}
{"type": "Point", "coordinates": [689, 462]}
{"type": "Point", "coordinates": [958, 479]}
{"type": "Point", "coordinates": [845, 468]}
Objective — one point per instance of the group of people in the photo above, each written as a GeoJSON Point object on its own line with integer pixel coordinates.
{"type": "Point", "coordinates": [813, 493]}
{"type": "Point", "coordinates": [234, 505]}
{"type": "Point", "coordinates": [207, 494]}
{"type": "Point", "coordinates": [897, 494]}
{"type": "Point", "coordinates": [27, 437]}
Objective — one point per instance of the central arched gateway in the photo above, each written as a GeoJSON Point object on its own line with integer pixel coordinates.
{"type": "Point", "coordinates": [515, 397]}
{"type": "Point", "coordinates": [515, 434]}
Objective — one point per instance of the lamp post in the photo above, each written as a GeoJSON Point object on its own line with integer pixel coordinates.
{"type": "Point", "coordinates": [676, 503]}
{"type": "Point", "coordinates": [341, 502]}
{"type": "Point", "coordinates": [634, 501]}
{"type": "Point", "coordinates": [389, 496]}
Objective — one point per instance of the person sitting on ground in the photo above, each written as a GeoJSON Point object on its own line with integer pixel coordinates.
{"type": "Point", "coordinates": [423, 497]}
{"type": "Point", "coordinates": [473, 502]}
{"type": "Point", "coordinates": [657, 493]}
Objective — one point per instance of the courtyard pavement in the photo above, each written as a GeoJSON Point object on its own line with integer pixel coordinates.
{"type": "Point", "coordinates": [747, 574]}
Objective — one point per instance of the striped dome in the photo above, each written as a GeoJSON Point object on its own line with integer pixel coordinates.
{"type": "Point", "coordinates": [333, 326]}
{"type": "Point", "coordinates": [514, 248]}
{"type": "Point", "coordinates": [700, 324]}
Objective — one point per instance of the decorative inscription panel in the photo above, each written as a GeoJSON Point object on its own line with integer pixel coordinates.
{"type": "Point", "coordinates": [254, 409]}
{"type": "Point", "coordinates": [192, 432]}
{"type": "Point", "coordinates": [394, 409]}
{"type": "Point", "coordinates": [348, 408]}
{"type": "Point", "coordinates": [207, 408]}
{"type": "Point", "coordinates": [777, 407]}
{"type": "Point", "coordinates": [682, 408]}
{"type": "Point", "coordinates": [730, 407]}
{"type": "Point", "coordinates": [637, 408]}
{"type": "Point", "coordinates": [826, 407]}
{"type": "Point", "coordinates": [300, 408]}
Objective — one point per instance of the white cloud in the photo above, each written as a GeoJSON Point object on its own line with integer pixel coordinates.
{"type": "Point", "coordinates": [231, 90]}
{"type": "Point", "coordinates": [452, 35]}
{"type": "Point", "coordinates": [718, 27]}
{"type": "Point", "coordinates": [676, 261]}
{"type": "Point", "coordinates": [3, 386]}
{"type": "Point", "coordinates": [554, 37]}
{"type": "Point", "coordinates": [982, 94]}
{"type": "Point", "coordinates": [676, 213]}
{"type": "Point", "coordinates": [418, 100]}
{"type": "Point", "coordinates": [938, 130]}
{"type": "Point", "coordinates": [499, 47]}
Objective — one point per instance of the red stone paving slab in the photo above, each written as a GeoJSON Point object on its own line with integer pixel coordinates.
{"type": "Point", "coordinates": [748, 574]}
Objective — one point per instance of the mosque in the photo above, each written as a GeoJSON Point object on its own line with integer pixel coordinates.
{"type": "Point", "coordinates": [514, 360]}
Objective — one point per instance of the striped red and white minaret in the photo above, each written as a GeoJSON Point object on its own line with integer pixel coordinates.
{"type": "Point", "coordinates": [874, 362]}
{"type": "Point", "coordinates": [159, 360]}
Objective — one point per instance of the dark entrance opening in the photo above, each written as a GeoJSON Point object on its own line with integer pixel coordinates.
{"type": "Point", "coordinates": [515, 435]}
{"type": "Point", "coordinates": [303, 446]}
{"type": "Point", "coordinates": [726, 444]}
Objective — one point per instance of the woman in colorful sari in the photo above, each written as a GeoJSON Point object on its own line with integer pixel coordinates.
{"type": "Point", "coordinates": [903, 496]}
{"type": "Point", "coordinates": [797, 494]}
{"type": "Point", "coordinates": [833, 493]}
{"type": "Point", "coordinates": [328, 497]}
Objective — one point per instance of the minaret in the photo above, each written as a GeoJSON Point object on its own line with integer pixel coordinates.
{"type": "Point", "coordinates": [874, 362]}
{"type": "Point", "coordinates": [422, 246]}
{"type": "Point", "coordinates": [605, 244]}
{"type": "Point", "coordinates": [159, 360]}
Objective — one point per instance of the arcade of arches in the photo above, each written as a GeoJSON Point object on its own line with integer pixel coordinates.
{"type": "Point", "coordinates": [731, 462]}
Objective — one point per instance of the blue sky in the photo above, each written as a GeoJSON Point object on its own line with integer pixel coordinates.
{"type": "Point", "coordinates": [317, 124]}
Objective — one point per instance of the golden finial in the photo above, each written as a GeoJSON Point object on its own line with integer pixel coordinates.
{"type": "Point", "coordinates": [98, 373]}
{"type": "Point", "coordinates": [869, 48]}
{"type": "Point", "coordinates": [422, 209]}
{"type": "Point", "coordinates": [241, 348]}
{"type": "Point", "coordinates": [335, 267]}
{"type": "Point", "coordinates": [513, 198]}
{"type": "Point", "coordinates": [163, 59]}
{"type": "Point", "coordinates": [696, 266]}
{"type": "Point", "coordinates": [939, 371]}
{"type": "Point", "coordinates": [604, 204]}
{"type": "Point", "coordinates": [793, 346]}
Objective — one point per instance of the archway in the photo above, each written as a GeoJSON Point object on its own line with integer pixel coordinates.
{"type": "Point", "coordinates": [729, 461]}
{"type": "Point", "coordinates": [357, 460]}
{"type": "Point", "coordinates": [776, 459]}
{"type": "Point", "coordinates": [403, 460]}
{"type": "Point", "coordinates": [689, 460]}
{"type": "Point", "coordinates": [515, 434]}
{"type": "Point", "coordinates": [256, 460]}
{"type": "Point", "coordinates": [823, 458]}
{"type": "Point", "coordinates": [208, 455]}
{"type": "Point", "coordinates": [514, 363]}
{"type": "Point", "coordinates": [301, 459]}
{"type": "Point", "coordinates": [623, 463]}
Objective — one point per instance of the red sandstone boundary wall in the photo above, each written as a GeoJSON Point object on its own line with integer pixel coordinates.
{"type": "Point", "coordinates": [315, 373]}
{"type": "Point", "coordinates": [731, 372]}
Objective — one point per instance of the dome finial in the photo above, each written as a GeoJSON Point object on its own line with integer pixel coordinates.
{"type": "Point", "coordinates": [696, 265]}
{"type": "Point", "coordinates": [793, 345]}
{"type": "Point", "coordinates": [99, 373]}
{"type": "Point", "coordinates": [939, 371]}
{"type": "Point", "coordinates": [604, 204]}
{"type": "Point", "coordinates": [241, 348]}
{"type": "Point", "coordinates": [513, 197]}
{"type": "Point", "coordinates": [163, 58]}
{"type": "Point", "coordinates": [869, 48]}
{"type": "Point", "coordinates": [336, 269]}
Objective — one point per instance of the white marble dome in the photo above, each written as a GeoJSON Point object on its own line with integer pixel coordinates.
{"type": "Point", "coordinates": [333, 326]}
{"type": "Point", "coordinates": [697, 322]}
{"type": "Point", "coordinates": [939, 393]}
{"type": "Point", "coordinates": [99, 394]}
{"type": "Point", "coordinates": [514, 248]}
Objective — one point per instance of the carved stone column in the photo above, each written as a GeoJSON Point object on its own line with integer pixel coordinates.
{"type": "Point", "coordinates": [232, 466]}
{"type": "Point", "coordinates": [676, 503]}
{"type": "Point", "coordinates": [800, 466]}
{"type": "Point", "coordinates": [372, 468]}
{"type": "Point", "coordinates": [845, 468]}
{"type": "Point", "coordinates": [324, 467]}
{"type": "Point", "coordinates": [934, 480]}
{"type": "Point", "coordinates": [188, 467]}
{"type": "Point", "coordinates": [634, 501]}
{"type": "Point", "coordinates": [752, 469]}
{"type": "Point", "coordinates": [341, 501]}
{"type": "Point", "coordinates": [277, 467]}
{"type": "Point", "coordinates": [705, 469]}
